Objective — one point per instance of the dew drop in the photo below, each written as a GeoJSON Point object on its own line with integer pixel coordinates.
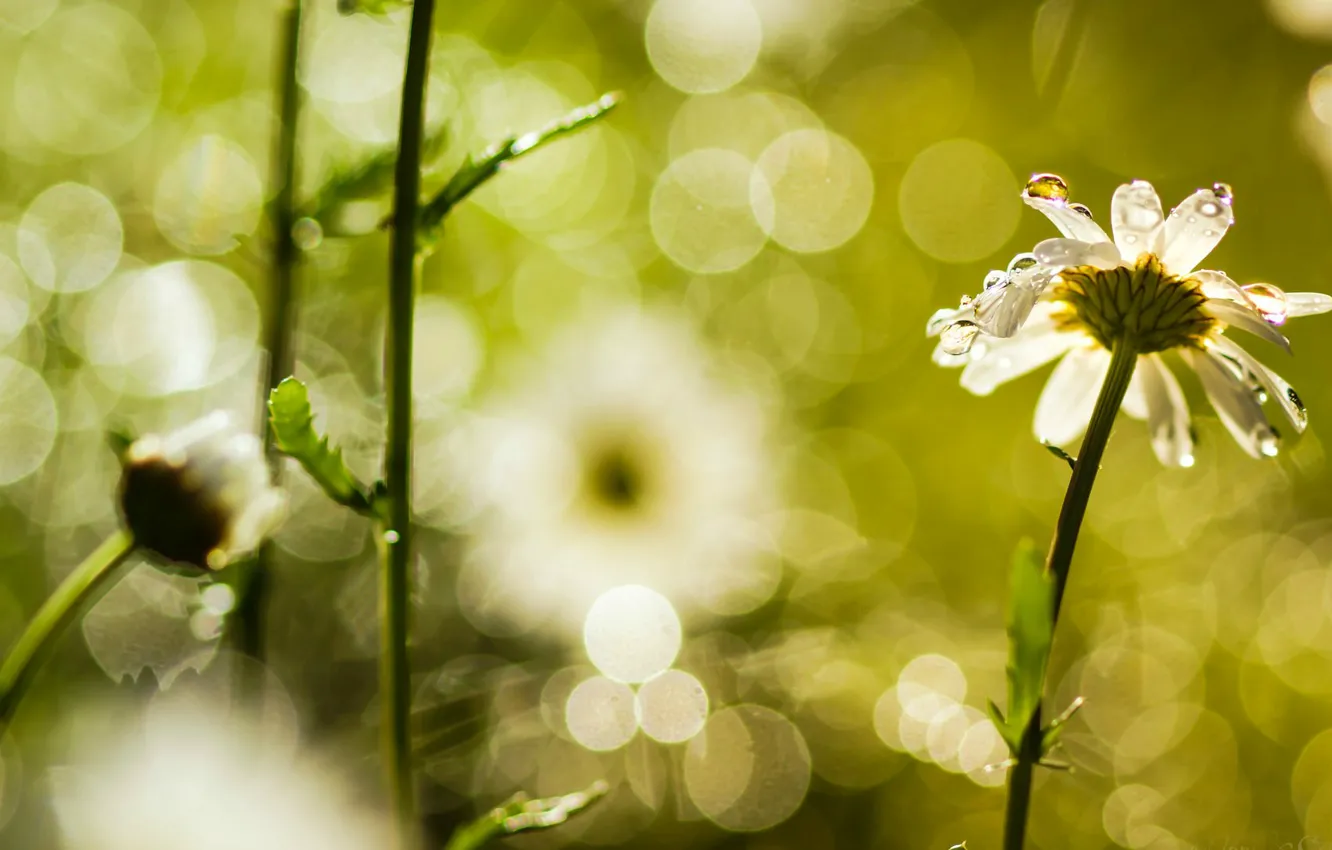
{"type": "Point", "coordinates": [1209, 209]}
{"type": "Point", "coordinates": [1269, 300]}
{"type": "Point", "coordinates": [1051, 187]}
{"type": "Point", "coordinates": [958, 337]}
{"type": "Point", "coordinates": [1268, 443]}
{"type": "Point", "coordinates": [307, 234]}
{"type": "Point", "coordinates": [1081, 208]}
{"type": "Point", "coordinates": [1021, 263]}
{"type": "Point", "coordinates": [994, 278]}
{"type": "Point", "coordinates": [390, 537]}
{"type": "Point", "coordinates": [1186, 461]}
{"type": "Point", "coordinates": [1223, 193]}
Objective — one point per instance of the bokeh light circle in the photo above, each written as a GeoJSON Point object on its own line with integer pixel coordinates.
{"type": "Point", "coordinates": [70, 238]}
{"type": "Point", "coordinates": [701, 46]}
{"type": "Point", "coordinates": [89, 80]}
{"type": "Point", "coordinates": [28, 420]}
{"type": "Point", "coordinates": [748, 769]}
{"type": "Point", "coordinates": [599, 714]}
{"type": "Point", "coordinates": [702, 211]}
{"type": "Point", "coordinates": [671, 708]}
{"type": "Point", "coordinates": [14, 300]}
{"type": "Point", "coordinates": [446, 348]}
{"type": "Point", "coordinates": [207, 197]}
{"type": "Point", "coordinates": [632, 633]}
{"type": "Point", "coordinates": [959, 201]}
{"type": "Point", "coordinates": [817, 188]}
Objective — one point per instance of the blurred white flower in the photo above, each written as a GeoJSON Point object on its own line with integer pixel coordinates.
{"type": "Point", "coordinates": [202, 495]}
{"type": "Point", "coordinates": [619, 458]}
{"type": "Point", "coordinates": [1076, 296]}
{"type": "Point", "coordinates": [183, 778]}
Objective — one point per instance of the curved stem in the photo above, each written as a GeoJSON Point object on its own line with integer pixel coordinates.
{"type": "Point", "coordinates": [1123, 359]}
{"type": "Point", "coordinates": [394, 672]}
{"type": "Point", "coordinates": [84, 585]}
{"type": "Point", "coordinates": [254, 583]}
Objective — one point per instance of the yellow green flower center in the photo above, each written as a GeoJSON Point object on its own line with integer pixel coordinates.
{"type": "Point", "coordinates": [1142, 303]}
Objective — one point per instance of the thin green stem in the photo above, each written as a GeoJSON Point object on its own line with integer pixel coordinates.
{"type": "Point", "coordinates": [254, 583]}
{"type": "Point", "coordinates": [395, 601]}
{"type": "Point", "coordinates": [1123, 359]}
{"type": "Point", "coordinates": [82, 587]}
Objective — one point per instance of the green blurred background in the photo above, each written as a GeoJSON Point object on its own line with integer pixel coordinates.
{"type": "Point", "coordinates": [801, 183]}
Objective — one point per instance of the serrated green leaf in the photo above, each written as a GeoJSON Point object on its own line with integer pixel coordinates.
{"type": "Point", "coordinates": [368, 177]}
{"type": "Point", "coordinates": [520, 814]}
{"type": "Point", "coordinates": [292, 420]}
{"type": "Point", "coordinates": [1011, 738]}
{"type": "Point", "coordinates": [1030, 634]}
{"type": "Point", "coordinates": [476, 170]}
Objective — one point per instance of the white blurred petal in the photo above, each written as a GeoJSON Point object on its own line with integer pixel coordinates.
{"type": "Point", "coordinates": [1070, 222]}
{"type": "Point", "coordinates": [1134, 404]}
{"type": "Point", "coordinates": [1066, 403]}
{"type": "Point", "coordinates": [1167, 412]}
{"type": "Point", "coordinates": [1219, 285]}
{"type": "Point", "coordinates": [1235, 403]}
{"type": "Point", "coordinates": [1193, 229]}
{"type": "Point", "coordinates": [1072, 252]}
{"type": "Point", "coordinates": [1307, 303]}
{"type": "Point", "coordinates": [1137, 219]}
{"type": "Point", "coordinates": [1277, 388]}
{"type": "Point", "coordinates": [1244, 318]}
{"type": "Point", "coordinates": [1007, 359]}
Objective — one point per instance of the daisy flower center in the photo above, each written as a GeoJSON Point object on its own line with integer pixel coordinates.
{"type": "Point", "coordinates": [1141, 303]}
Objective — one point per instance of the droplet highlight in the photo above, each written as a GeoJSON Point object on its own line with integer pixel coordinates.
{"type": "Point", "coordinates": [1269, 300]}
{"type": "Point", "coordinates": [1223, 193]}
{"type": "Point", "coordinates": [958, 337]}
{"type": "Point", "coordinates": [1051, 187]}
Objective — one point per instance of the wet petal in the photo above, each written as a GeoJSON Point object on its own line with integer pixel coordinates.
{"type": "Point", "coordinates": [1066, 403]}
{"type": "Point", "coordinates": [1235, 404]}
{"type": "Point", "coordinates": [1167, 412]}
{"type": "Point", "coordinates": [1070, 222]}
{"type": "Point", "coordinates": [1246, 319]}
{"type": "Point", "coordinates": [1007, 359]}
{"type": "Point", "coordinates": [1134, 404]}
{"type": "Point", "coordinates": [1061, 253]}
{"type": "Point", "coordinates": [1193, 229]}
{"type": "Point", "coordinates": [1219, 285]}
{"type": "Point", "coordinates": [1277, 388]}
{"type": "Point", "coordinates": [947, 316]}
{"type": "Point", "coordinates": [1002, 310]}
{"type": "Point", "coordinates": [1137, 219]}
{"type": "Point", "coordinates": [1307, 303]}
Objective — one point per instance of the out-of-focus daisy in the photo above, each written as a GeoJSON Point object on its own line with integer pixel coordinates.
{"type": "Point", "coordinates": [619, 457]}
{"type": "Point", "coordinates": [200, 496]}
{"type": "Point", "coordinates": [1078, 296]}
{"type": "Point", "coordinates": [183, 777]}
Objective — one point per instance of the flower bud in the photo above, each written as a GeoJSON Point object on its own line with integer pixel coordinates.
{"type": "Point", "coordinates": [201, 495]}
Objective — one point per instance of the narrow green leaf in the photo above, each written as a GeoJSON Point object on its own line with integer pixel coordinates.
{"type": "Point", "coordinates": [1050, 735]}
{"type": "Point", "coordinates": [476, 170]}
{"type": "Point", "coordinates": [366, 178]}
{"type": "Point", "coordinates": [293, 425]}
{"type": "Point", "coordinates": [1014, 741]}
{"type": "Point", "coordinates": [520, 814]}
{"type": "Point", "coordinates": [1030, 633]}
{"type": "Point", "coordinates": [1061, 454]}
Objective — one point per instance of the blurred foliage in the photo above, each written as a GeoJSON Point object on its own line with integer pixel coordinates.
{"type": "Point", "coordinates": [840, 169]}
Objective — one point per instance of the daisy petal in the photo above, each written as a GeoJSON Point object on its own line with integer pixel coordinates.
{"type": "Point", "coordinates": [1219, 285]}
{"type": "Point", "coordinates": [1167, 412]}
{"type": "Point", "coordinates": [1244, 318]}
{"type": "Point", "coordinates": [1137, 219]}
{"type": "Point", "coordinates": [945, 317]}
{"type": "Point", "coordinates": [1007, 359]}
{"type": "Point", "coordinates": [1066, 403]}
{"type": "Point", "coordinates": [1134, 404]}
{"type": "Point", "coordinates": [1070, 222]}
{"type": "Point", "coordinates": [1001, 310]}
{"type": "Point", "coordinates": [1235, 403]}
{"type": "Point", "coordinates": [1307, 303]}
{"type": "Point", "coordinates": [1061, 253]}
{"type": "Point", "coordinates": [1193, 229]}
{"type": "Point", "coordinates": [1276, 386]}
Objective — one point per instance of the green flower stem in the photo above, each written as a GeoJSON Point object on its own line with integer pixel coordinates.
{"type": "Point", "coordinates": [395, 601]}
{"type": "Point", "coordinates": [81, 588]}
{"type": "Point", "coordinates": [253, 584]}
{"type": "Point", "coordinates": [1123, 359]}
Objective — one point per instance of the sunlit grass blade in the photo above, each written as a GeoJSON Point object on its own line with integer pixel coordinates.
{"type": "Point", "coordinates": [520, 814]}
{"type": "Point", "coordinates": [293, 428]}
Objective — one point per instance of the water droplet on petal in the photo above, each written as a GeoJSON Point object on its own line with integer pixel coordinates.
{"type": "Point", "coordinates": [994, 278]}
{"type": "Point", "coordinates": [1021, 263]}
{"type": "Point", "coordinates": [1081, 208]}
{"type": "Point", "coordinates": [1209, 209]}
{"type": "Point", "coordinates": [1223, 193]}
{"type": "Point", "coordinates": [1269, 443]}
{"type": "Point", "coordinates": [1269, 300]}
{"type": "Point", "coordinates": [1051, 187]}
{"type": "Point", "coordinates": [1186, 461]}
{"type": "Point", "coordinates": [957, 338]}
{"type": "Point", "coordinates": [965, 302]}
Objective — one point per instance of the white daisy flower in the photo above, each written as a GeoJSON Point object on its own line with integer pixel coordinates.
{"type": "Point", "coordinates": [200, 496]}
{"type": "Point", "coordinates": [184, 777]}
{"type": "Point", "coordinates": [620, 457]}
{"type": "Point", "coordinates": [1077, 296]}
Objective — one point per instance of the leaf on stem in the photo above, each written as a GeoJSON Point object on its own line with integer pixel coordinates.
{"type": "Point", "coordinates": [361, 180]}
{"type": "Point", "coordinates": [293, 426]}
{"type": "Point", "coordinates": [1030, 634]}
{"type": "Point", "coordinates": [1061, 454]}
{"type": "Point", "coordinates": [519, 814]}
{"type": "Point", "coordinates": [476, 170]}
